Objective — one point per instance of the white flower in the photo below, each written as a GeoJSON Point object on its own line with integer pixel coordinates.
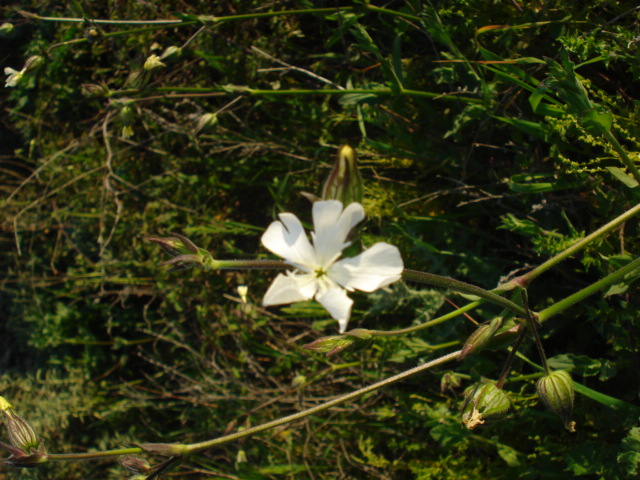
{"type": "Point", "coordinates": [14, 76]}
{"type": "Point", "coordinates": [153, 62]}
{"type": "Point", "coordinates": [319, 274]}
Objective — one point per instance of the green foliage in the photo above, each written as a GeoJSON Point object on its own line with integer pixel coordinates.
{"type": "Point", "coordinates": [481, 130]}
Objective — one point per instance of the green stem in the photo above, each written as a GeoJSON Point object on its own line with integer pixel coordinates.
{"type": "Point", "coordinates": [450, 283]}
{"type": "Point", "coordinates": [422, 326]}
{"type": "Point", "coordinates": [66, 457]}
{"type": "Point", "coordinates": [196, 447]}
{"type": "Point", "coordinates": [585, 292]}
{"type": "Point", "coordinates": [295, 92]}
{"type": "Point", "coordinates": [524, 280]}
{"type": "Point", "coordinates": [534, 329]}
{"type": "Point", "coordinates": [229, 18]}
{"type": "Point", "coordinates": [512, 354]}
{"type": "Point", "coordinates": [623, 155]}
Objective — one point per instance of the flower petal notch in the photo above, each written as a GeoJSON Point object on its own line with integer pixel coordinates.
{"type": "Point", "coordinates": [318, 272]}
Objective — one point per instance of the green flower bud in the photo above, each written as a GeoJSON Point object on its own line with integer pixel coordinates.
{"type": "Point", "coordinates": [482, 402]}
{"type": "Point", "coordinates": [479, 339]}
{"type": "Point", "coordinates": [7, 30]}
{"type": "Point", "coordinates": [351, 341]}
{"type": "Point", "coordinates": [557, 393]}
{"type": "Point", "coordinates": [171, 54]}
{"type": "Point", "coordinates": [21, 433]}
{"type": "Point", "coordinates": [344, 183]}
{"type": "Point", "coordinates": [137, 79]}
{"type": "Point", "coordinates": [33, 63]}
{"type": "Point", "coordinates": [126, 113]}
{"type": "Point", "coordinates": [184, 252]}
{"type": "Point", "coordinates": [95, 90]}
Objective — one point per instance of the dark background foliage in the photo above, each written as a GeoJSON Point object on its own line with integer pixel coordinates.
{"type": "Point", "coordinates": [101, 347]}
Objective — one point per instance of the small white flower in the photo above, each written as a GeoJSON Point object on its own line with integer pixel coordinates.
{"type": "Point", "coordinates": [319, 274]}
{"type": "Point", "coordinates": [14, 76]}
{"type": "Point", "coordinates": [153, 62]}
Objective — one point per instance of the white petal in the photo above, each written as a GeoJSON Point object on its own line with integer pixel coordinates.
{"type": "Point", "coordinates": [331, 228]}
{"type": "Point", "coordinates": [290, 288]}
{"type": "Point", "coordinates": [338, 305]}
{"type": "Point", "coordinates": [374, 268]}
{"type": "Point", "coordinates": [10, 71]}
{"type": "Point", "coordinates": [287, 239]}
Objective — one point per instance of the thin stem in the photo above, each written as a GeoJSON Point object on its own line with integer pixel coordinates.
{"type": "Point", "coordinates": [229, 18]}
{"type": "Point", "coordinates": [524, 280]}
{"type": "Point", "coordinates": [623, 155]}
{"type": "Point", "coordinates": [196, 447]}
{"type": "Point", "coordinates": [512, 354]}
{"type": "Point", "coordinates": [422, 326]}
{"type": "Point", "coordinates": [571, 300]}
{"type": "Point", "coordinates": [66, 457]}
{"type": "Point", "coordinates": [534, 329]}
{"type": "Point", "coordinates": [295, 92]}
{"type": "Point", "coordinates": [446, 282]}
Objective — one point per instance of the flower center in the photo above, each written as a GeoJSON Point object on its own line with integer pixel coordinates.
{"type": "Point", "coordinates": [320, 272]}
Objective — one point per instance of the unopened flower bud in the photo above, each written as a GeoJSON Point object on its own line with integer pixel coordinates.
{"type": "Point", "coordinates": [7, 30]}
{"type": "Point", "coordinates": [153, 62]}
{"type": "Point", "coordinates": [33, 63]}
{"type": "Point", "coordinates": [298, 380]}
{"type": "Point", "coordinates": [479, 339]}
{"type": "Point", "coordinates": [557, 393]}
{"type": "Point", "coordinates": [184, 252]}
{"type": "Point", "coordinates": [243, 290]}
{"type": "Point", "coordinates": [137, 79]}
{"type": "Point", "coordinates": [171, 54]}
{"type": "Point", "coordinates": [135, 464]}
{"type": "Point", "coordinates": [126, 114]}
{"type": "Point", "coordinates": [92, 34]}
{"type": "Point", "coordinates": [351, 341]}
{"type": "Point", "coordinates": [21, 433]}
{"type": "Point", "coordinates": [206, 122]}
{"type": "Point", "coordinates": [482, 402]}
{"type": "Point", "coordinates": [344, 183]}
{"type": "Point", "coordinates": [95, 90]}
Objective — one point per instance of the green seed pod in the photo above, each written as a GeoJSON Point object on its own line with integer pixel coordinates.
{"type": "Point", "coordinates": [479, 339]}
{"type": "Point", "coordinates": [482, 402]}
{"type": "Point", "coordinates": [557, 393]}
{"type": "Point", "coordinates": [344, 183]}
